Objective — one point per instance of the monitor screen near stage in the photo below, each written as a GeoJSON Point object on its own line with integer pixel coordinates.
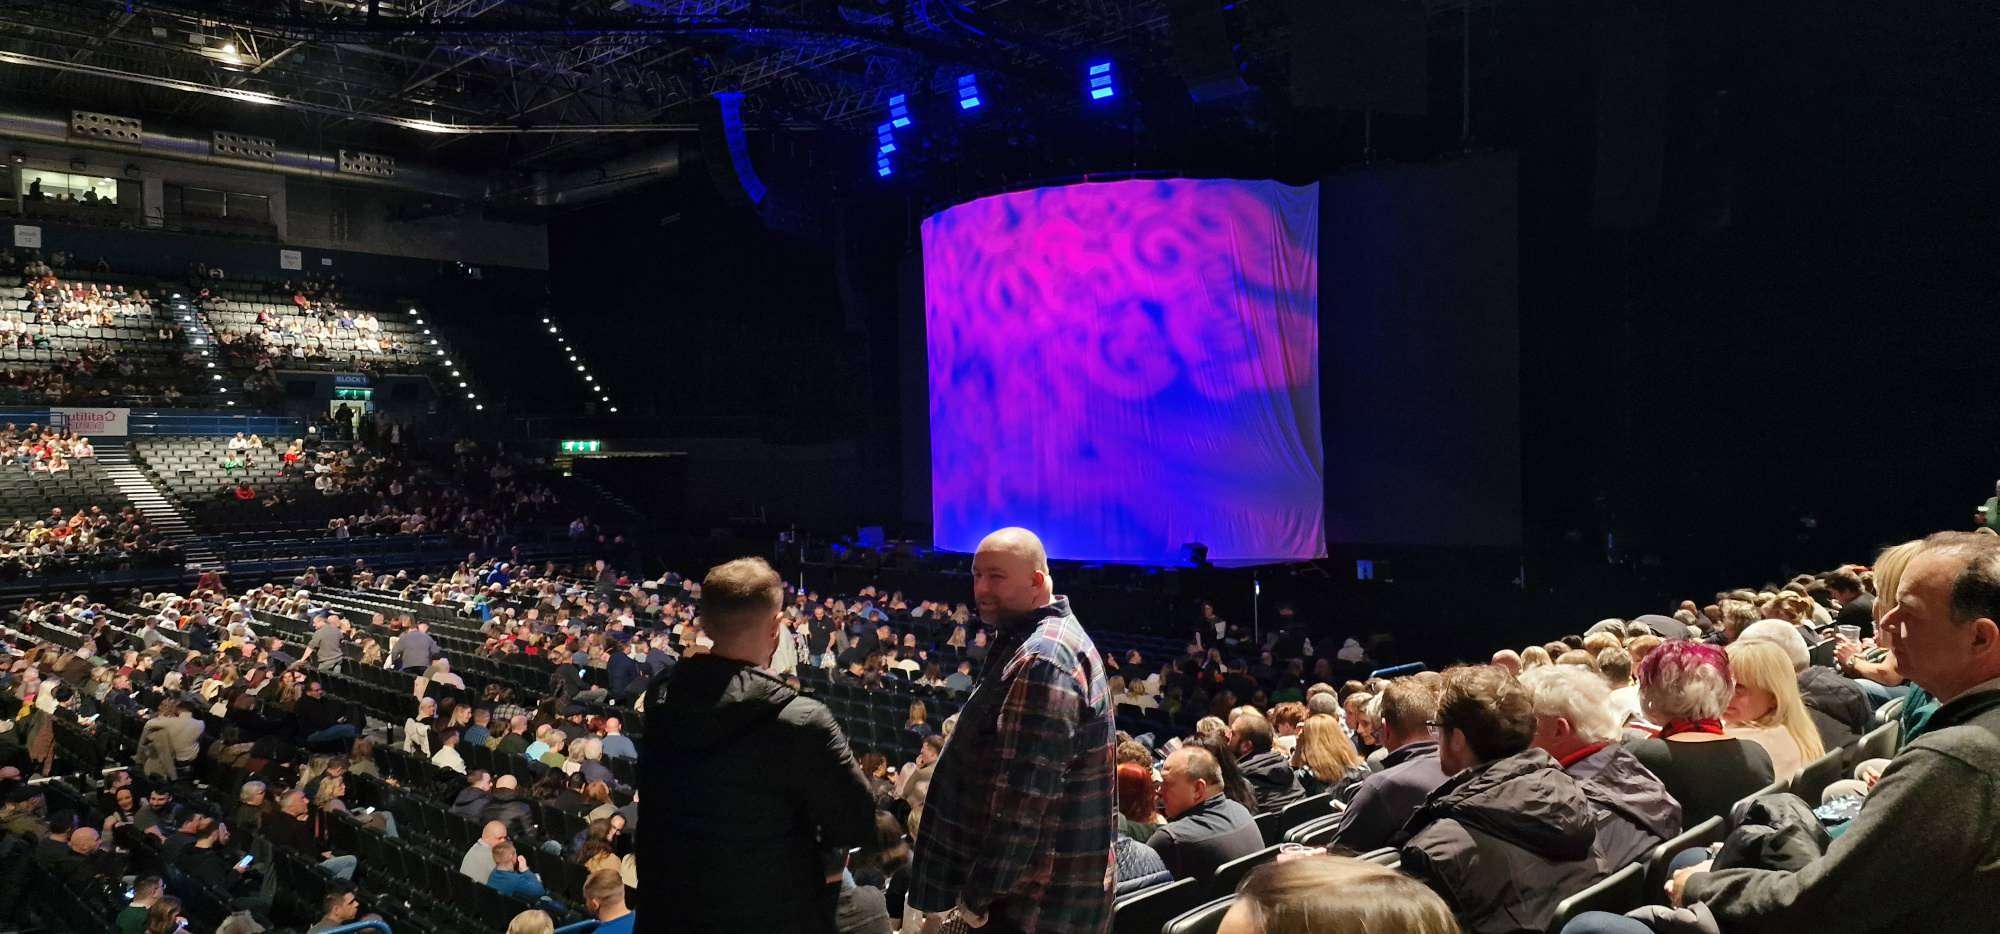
{"type": "Point", "coordinates": [1128, 367]}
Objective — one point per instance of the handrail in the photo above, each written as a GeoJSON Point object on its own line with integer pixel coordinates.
{"type": "Point", "coordinates": [373, 924]}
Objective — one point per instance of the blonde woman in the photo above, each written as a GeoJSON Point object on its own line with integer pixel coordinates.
{"type": "Point", "coordinates": [1766, 707]}
{"type": "Point", "coordinates": [1335, 893]}
{"type": "Point", "coordinates": [1327, 761]}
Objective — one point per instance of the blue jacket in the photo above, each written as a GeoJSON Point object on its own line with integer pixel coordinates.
{"type": "Point", "coordinates": [522, 885]}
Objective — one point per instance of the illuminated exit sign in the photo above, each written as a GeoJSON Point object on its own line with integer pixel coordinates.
{"type": "Point", "coordinates": [582, 447]}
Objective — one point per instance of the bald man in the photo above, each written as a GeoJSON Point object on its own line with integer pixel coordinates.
{"type": "Point", "coordinates": [1020, 818]}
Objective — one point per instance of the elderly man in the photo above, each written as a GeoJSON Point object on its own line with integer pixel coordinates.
{"type": "Point", "coordinates": [1019, 822]}
{"type": "Point", "coordinates": [1922, 854]}
{"type": "Point", "coordinates": [1576, 722]}
{"type": "Point", "coordinates": [1204, 827]}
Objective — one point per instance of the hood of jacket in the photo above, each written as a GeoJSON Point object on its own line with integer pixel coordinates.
{"type": "Point", "coordinates": [1614, 779]}
{"type": "Point", "coordinates": [1268, 769]}
{"type": "Point", "coordinates": [1525, 799]}
{"type": "Point", "coordinates": [712, 701]}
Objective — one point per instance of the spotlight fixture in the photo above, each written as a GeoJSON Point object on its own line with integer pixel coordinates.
{"type": "Point", "coordinates": [968, 92]}
{"type": "Point", "coordinates": [899, 110]}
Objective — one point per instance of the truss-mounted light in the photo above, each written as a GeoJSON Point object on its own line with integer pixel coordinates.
{"type": "Point", "coordinates": [968, 92]}
{"type": "Point", "coordinates": [899, 110]}
{"type": "Point", "coordinates": [1101, 84]}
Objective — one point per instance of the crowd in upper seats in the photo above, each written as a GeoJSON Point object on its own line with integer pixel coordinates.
{"type": "Point", "coordinates": [42, 449]}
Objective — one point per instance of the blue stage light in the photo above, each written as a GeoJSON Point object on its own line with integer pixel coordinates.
{"type": "Point", "coordinates": [968, 92]}
{"type": "Point", "coordinates": [899, 111]}
{"type": "Point", "coordinates": [885, 140]}
{"type": "Point", "coordinates": [1101, 85]}
{"type": "Point", "coordinates": [883, 167]}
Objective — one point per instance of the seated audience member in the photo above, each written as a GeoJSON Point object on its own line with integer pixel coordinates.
{"type": "Point", "coordinates": [1766, 709]}
{"type": "Point", "coordinates": [1684, 687]}
{"type": "Point", "coordinates": [1577, 724]}
{"type": "Point", "coordinates": [1204, 827]}
{"type": "Point", "coordinates": [76, 856]}
{"type": "Point", "coordinates": [1389, 795]}
{"type": "Point", "coordinates": [478, 863]}
{"type": "Point", "coordinates": [604, 900]}
{"type": "Point", "coordinates": [338, 908]}
{"type": "Point", "coordinates": [132, 918]}
{"type": "Point", "coordinates": [1509, 834]}
{"type": "Point", "coordinates": [863, 906]}
{"type": "Point", "coordinates": [510, 875]}
{"type": "Point", "coordinates": [298, 826]}
{"type": "Point", "coordinates": [471, 800]}
{"type": "Point", "coordinates": [1838, 707]}
{"type": "Point", "coordinates": [1138, 815]}
{"type": "Point", "coordinates": [1323, 894]}
{"type": "Point", "coordinates": [1922, 854]}
{"type": "Point", "coordinates": [1325, 758]}
{"type": "Point", "coordinates": [1616, 664]}
{"type": "Point", "coordinates": [532, 921]}
{"type": "Point", "coordinates": [505, 805]}
{"type": "Point", "coordinates": [446, 756]}
{"type": "Point", "coordinates": [1270, 776]}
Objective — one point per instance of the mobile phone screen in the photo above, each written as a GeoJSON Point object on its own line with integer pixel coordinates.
{"type": "Point", "coordinates": [244, 863]}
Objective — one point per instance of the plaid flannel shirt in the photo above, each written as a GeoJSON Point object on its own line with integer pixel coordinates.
{"type": "Point", "coordinates": [1020, 817]}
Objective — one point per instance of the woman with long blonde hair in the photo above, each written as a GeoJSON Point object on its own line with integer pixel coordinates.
{"type": "Point", "coordinates": [1766, 707]}
{"type": "Point", "coordinates": [1325, 757]}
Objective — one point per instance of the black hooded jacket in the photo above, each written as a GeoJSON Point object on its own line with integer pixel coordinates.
{"type": "Point", "coordinates": [746, 785]}
{"type": "Point", "coordinates": [1504, 842]}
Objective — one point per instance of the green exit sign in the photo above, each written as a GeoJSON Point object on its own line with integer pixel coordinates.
{"type": "Point", "coordinates": [582, 447]}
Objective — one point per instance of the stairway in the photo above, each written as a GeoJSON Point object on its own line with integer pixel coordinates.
{"type": "Point", "coordinates": [114, 460]}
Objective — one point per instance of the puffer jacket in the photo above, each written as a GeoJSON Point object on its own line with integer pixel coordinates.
{"type": "Point", "coordinates": [1504, 842]}
{"type": "Point", "coordinates": [1634, 811]}
{"type": "Point", "coordinates": [1838, 706]}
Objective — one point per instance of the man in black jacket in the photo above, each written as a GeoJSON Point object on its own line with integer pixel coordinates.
{"type": "Point", "coordinates": [1270, 775]}
{"type": "Point", "coordinates": [747, 784]}
{"type": "Point", "coordinates": [1509, 834]}
{"type": "Point", "coordinates": [506, 806]}
{"type": "Point", "coordinates": [471, 800]}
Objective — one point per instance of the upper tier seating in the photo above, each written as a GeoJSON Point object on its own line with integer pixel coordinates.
{"type": "Point", "coordinates": [298, 331]}
{"type": "Point", "coordinates": [82, 337]}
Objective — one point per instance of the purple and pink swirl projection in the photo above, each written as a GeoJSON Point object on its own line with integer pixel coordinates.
{"type": "Point", "coordinates": [1126, 367]}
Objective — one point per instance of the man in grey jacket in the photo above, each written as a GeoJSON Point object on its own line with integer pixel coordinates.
{"type": "Point", "coordinates": [325, 643]}
{"type": "Point", "coordinates": [415, 648]}
{"type": "Point", "coordinates": [1922, 855]}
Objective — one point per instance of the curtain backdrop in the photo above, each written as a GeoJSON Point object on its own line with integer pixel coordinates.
{"type": "Point", "coordinates": [1127, 367]}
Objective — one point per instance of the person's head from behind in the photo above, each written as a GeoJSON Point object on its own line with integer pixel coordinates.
{"type": "Point", "coordinates": [1190, 776]}
{"type": "Point", "coordinates": [740, 608]}
{"type": "Point", "coordinates": [148, 890]}
{"type": "Point", "coordinates": [1136, 799]}
{"type": "Point", "coordinates": [532, 921]}
{"type": "Point", "coordinates": [505, 857]}
{"type": "Point", "coordinates": [1250, 735]}
{"type": "Point", "coordinates": [1615, 665]}
{"type": "Point", "coordinates": [1572, 709]}
{"type": "Point", "coordinates": [165, 916]}
{"type": "Point", "coordinates": [1780, 633]}
{"type": "Point", "coordinates": [493, 834]}
{"type": "Point", "coordinates": [1507, 660]}
{"type": "Point", "coordinates": [1535, 656]}
{"type": "Point", "coordinates": [1335, 895]}
{"type": "Point", "coordinates": [1324, 748]}
{"type": "Point", "coordinates": [1010, 575]}
{"type": "Point", "coordinates": [604, 894]}
{"type": "Point", "coordinates": [1684, 681]}
{"type": "Point", "coordinates": [1845, 585]}
{"type": "Point", "coordinates": [1482, 715]}
{"type": "Point", "coordinates": [1407, 707]}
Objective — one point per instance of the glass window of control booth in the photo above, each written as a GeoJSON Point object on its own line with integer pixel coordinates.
{"type": "Point", "coordinates": [44, 184]}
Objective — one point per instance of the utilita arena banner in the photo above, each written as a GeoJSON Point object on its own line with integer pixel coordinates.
{"type": "Point", "coordinates": [1128, 367]}
{"type": "Point", "coordinates": [99, 422]}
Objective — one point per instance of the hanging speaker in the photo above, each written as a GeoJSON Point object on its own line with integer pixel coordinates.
{"type": "Point", "coordinates": [1360, 55]}
{"type": "Point", "coordinates": [725, 152]}
{"type": "Point", "coordinates": [1202, 50]}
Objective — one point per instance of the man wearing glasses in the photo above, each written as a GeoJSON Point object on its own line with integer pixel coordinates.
{"type": "Point", "coordinates": [1389, 795]}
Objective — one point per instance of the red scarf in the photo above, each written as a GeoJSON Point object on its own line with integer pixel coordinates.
{"type": "Point", "coordinates": [1706, 725]}
{"type": "Point", "coordinates": [1580, 755]}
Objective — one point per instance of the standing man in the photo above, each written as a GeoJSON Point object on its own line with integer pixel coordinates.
{"type": "Point", "coordinates": [325, 643]}
{"type": "Point", "coordinates": [1019, 822]}
{"type": "Point", "coordinates": [416, 648]}
{"type": "Point", "coordinates": [747, 784]}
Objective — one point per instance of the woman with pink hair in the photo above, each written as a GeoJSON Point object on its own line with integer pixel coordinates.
{"type": "Point", "coordinates": [1684, 687]}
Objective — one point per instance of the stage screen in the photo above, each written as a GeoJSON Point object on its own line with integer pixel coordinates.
{"type": "Point", "coordinates": [1128, 367]}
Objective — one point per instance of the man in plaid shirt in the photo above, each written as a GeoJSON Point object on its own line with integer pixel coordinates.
{"type": "Point", "coordinates": [1018, 825]}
